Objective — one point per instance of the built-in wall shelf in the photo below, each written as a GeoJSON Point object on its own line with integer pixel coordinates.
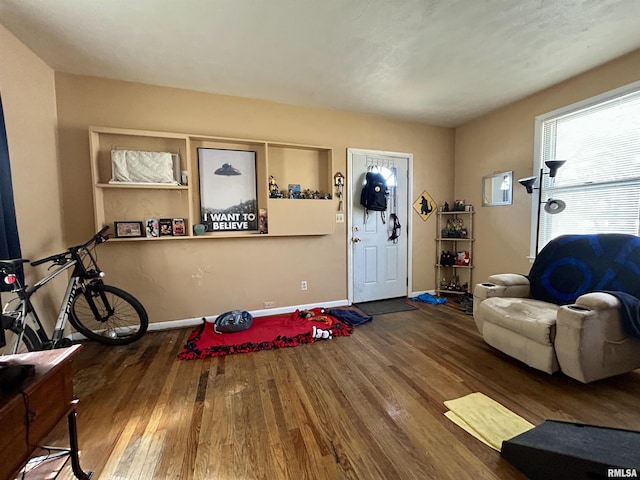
{"type": "Point", "coordinates": [311, 167]}
{"type": "Point", "coordinates": [138, 185]}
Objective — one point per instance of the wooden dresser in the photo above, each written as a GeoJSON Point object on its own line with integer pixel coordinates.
{"type": "Point", "coordinates": [28, 414]}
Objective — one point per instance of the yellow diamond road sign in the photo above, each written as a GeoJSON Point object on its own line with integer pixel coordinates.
{"type": "Point", "coordinates": [425, 205]}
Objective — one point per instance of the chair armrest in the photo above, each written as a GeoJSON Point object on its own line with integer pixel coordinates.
{"type": "Point", "coordinates": [508, 279]}
{"type": "Point", "coordinates": [503, 285]}
{"type": "Point", "coordinates": [597, 301]}
{"type": "Point", "coordinates": [586, 307]}
{"type": "Point", "coordinates": [590, 343]}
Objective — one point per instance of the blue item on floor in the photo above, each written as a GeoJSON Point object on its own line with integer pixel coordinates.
{"type": "Point", "coordinates": [351, 317]}
{"type": "Point", "coordinates": [428, 298]}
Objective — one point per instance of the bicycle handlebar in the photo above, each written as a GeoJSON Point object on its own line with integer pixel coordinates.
{"type": "Point", "coordinates": [46, 259]}
{"type": "Point", "coordinates": [97, 238]}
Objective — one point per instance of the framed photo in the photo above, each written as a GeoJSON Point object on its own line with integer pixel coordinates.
{"type": "Point", "coordinates": [152, 228]}
{"type": "Point", "coordinates": [178, 227]}
{"type": "Point", "coordinates": [128, 229]}
{"type": "Point", "coordinates": [166, 227]}
{"type": "Point", "coordinates": [228, 189]}
{"type": "Point", "coordinates": [294, 190]}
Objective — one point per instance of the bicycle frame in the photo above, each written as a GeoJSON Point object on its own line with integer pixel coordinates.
{"type": "Point", "coordinates": [76, 282]}
{"type": "Point", "coordinates": [29, 314]}
{"type": "Point", "coordinates": [67, 301]}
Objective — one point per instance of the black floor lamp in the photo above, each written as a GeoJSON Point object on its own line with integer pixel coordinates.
{"type": "Point", "coordinates": [551, 206]}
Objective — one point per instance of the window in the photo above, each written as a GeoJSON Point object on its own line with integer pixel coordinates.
{"type": "Point", "coordinates": [600, 181]}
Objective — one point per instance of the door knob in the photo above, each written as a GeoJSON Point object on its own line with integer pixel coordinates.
{"type": "Point", "coordinates": [356, 239]}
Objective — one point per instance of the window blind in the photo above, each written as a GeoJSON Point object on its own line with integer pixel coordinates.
{"type": "Point", "coordinates": [600, 181]}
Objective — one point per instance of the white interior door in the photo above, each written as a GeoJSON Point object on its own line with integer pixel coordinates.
{"type": "Point", "coordinates": [379, 266]}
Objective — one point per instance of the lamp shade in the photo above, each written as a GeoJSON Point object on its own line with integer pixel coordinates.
{"type": "Point", "coordinates": [553, 206]}
{"type": "Point", "coordinates": [528, 183]}
{"type": "Point", "coordinates": [554, 165]}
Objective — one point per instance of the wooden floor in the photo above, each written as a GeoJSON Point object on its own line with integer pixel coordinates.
{"type": "Point", "coordinates": [368, 406]}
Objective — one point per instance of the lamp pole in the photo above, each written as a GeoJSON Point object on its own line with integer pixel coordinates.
{"type": "Point", "coordinates": [557, 206]}
{"type": "Point", "coordinates": [539, 209]}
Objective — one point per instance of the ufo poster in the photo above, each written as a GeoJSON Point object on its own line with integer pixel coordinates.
{"type": "Point", "coordinates": [228, 192]}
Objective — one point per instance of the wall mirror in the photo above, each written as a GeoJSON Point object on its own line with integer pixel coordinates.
{"type": "Point", "coordinates": [497, 189]}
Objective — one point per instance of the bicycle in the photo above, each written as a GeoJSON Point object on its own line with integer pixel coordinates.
{"type": "Point", "coordinates": [98, 311]}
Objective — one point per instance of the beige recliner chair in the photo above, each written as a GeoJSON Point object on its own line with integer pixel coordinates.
{"type": "Point", "coordinates": [559, 317]}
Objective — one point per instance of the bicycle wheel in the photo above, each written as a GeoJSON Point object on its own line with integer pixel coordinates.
{"type": "Point", "coordinates": [108, 315]}
{"type": "Point", "coordinates": [11, 334]}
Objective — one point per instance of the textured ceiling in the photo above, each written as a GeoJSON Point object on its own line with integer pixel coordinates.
{"type": "Point", "coordinates": [442, 62]}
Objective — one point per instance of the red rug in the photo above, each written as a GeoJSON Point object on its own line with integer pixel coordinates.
{"type": "Point", "coordinates": [265, 333]}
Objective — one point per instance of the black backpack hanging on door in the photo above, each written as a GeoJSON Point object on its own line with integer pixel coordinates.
{"type": "Point", "coordinates": [374, 193]}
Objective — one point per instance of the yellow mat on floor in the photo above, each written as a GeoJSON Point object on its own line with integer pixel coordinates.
{"type": "Point", "coordinates": [486, 419]}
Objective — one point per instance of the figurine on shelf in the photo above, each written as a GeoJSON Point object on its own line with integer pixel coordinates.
{"type": "Point", "coordinates": [445, 207]}
{"type": "Point", "coordinates": [273, 188]}
{"type": "Point", "coordinates": [462, 259]}
{"type": "Point", "coordinates": [455, 229]}
{"type": "Point", "coordinates": [459, 206]}
{"type": "Point", "coordinates": [309, 194]}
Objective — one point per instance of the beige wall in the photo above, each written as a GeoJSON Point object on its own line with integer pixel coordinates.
{"type": "Point", "coordinates": [504, 140]}
{"type": "Point", "coordinates": [184, 279]}
{"type": "Point", "coordinates": [28, 97]}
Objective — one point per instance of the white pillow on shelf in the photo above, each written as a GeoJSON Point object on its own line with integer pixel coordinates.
{"type": "Point", "coordinates": [135, 166]}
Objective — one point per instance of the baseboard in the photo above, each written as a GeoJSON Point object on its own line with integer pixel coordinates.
{"type": "Point", "coordinates": [415, 294]}
{"type": "Point", "coordinates": [171, 324]}
{"type": "Point", "coordinates": [189, 322]}
{"type": "Point", "coordinates": [192, 322]}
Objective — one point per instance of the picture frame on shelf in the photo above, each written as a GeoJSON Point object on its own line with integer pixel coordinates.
{"type": "Point", "coordinates": [166, 227]}
{"type": "Point", "coordinates": [294, 190]}
{"type": "Point", "coordinates": [128, 229]}
{"type": "Point", "coordinates": [152, 228]}
{"type": "Point", "coordinates": [228, 189]}
{"type": "Point", "coordinates": [178, 227]}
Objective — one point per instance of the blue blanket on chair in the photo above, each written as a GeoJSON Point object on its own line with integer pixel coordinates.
{"type": "Point", "coordinates": [629, 313]}
{"type": "Point", "coordinates": [572, 265]}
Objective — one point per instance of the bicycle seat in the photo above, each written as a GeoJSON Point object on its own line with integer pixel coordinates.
{"type": "Point", "coordinates": [14, 263]}
{"type": "Point", "coordinates": [11, 266]}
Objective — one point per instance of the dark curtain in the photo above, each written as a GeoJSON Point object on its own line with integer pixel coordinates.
{"type": "Point", "coordinates": [9, 241]}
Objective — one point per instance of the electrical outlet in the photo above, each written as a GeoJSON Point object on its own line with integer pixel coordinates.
{"type": "Point", "coordinates": [269, 304]}
{"type": "Point", "coordinates": [339, 217]}
{"type": "Point", "coordinates": [303, 285]}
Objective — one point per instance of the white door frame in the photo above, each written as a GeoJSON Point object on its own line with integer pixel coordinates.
{"type": "Point", "coordinates": [407, 229]}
